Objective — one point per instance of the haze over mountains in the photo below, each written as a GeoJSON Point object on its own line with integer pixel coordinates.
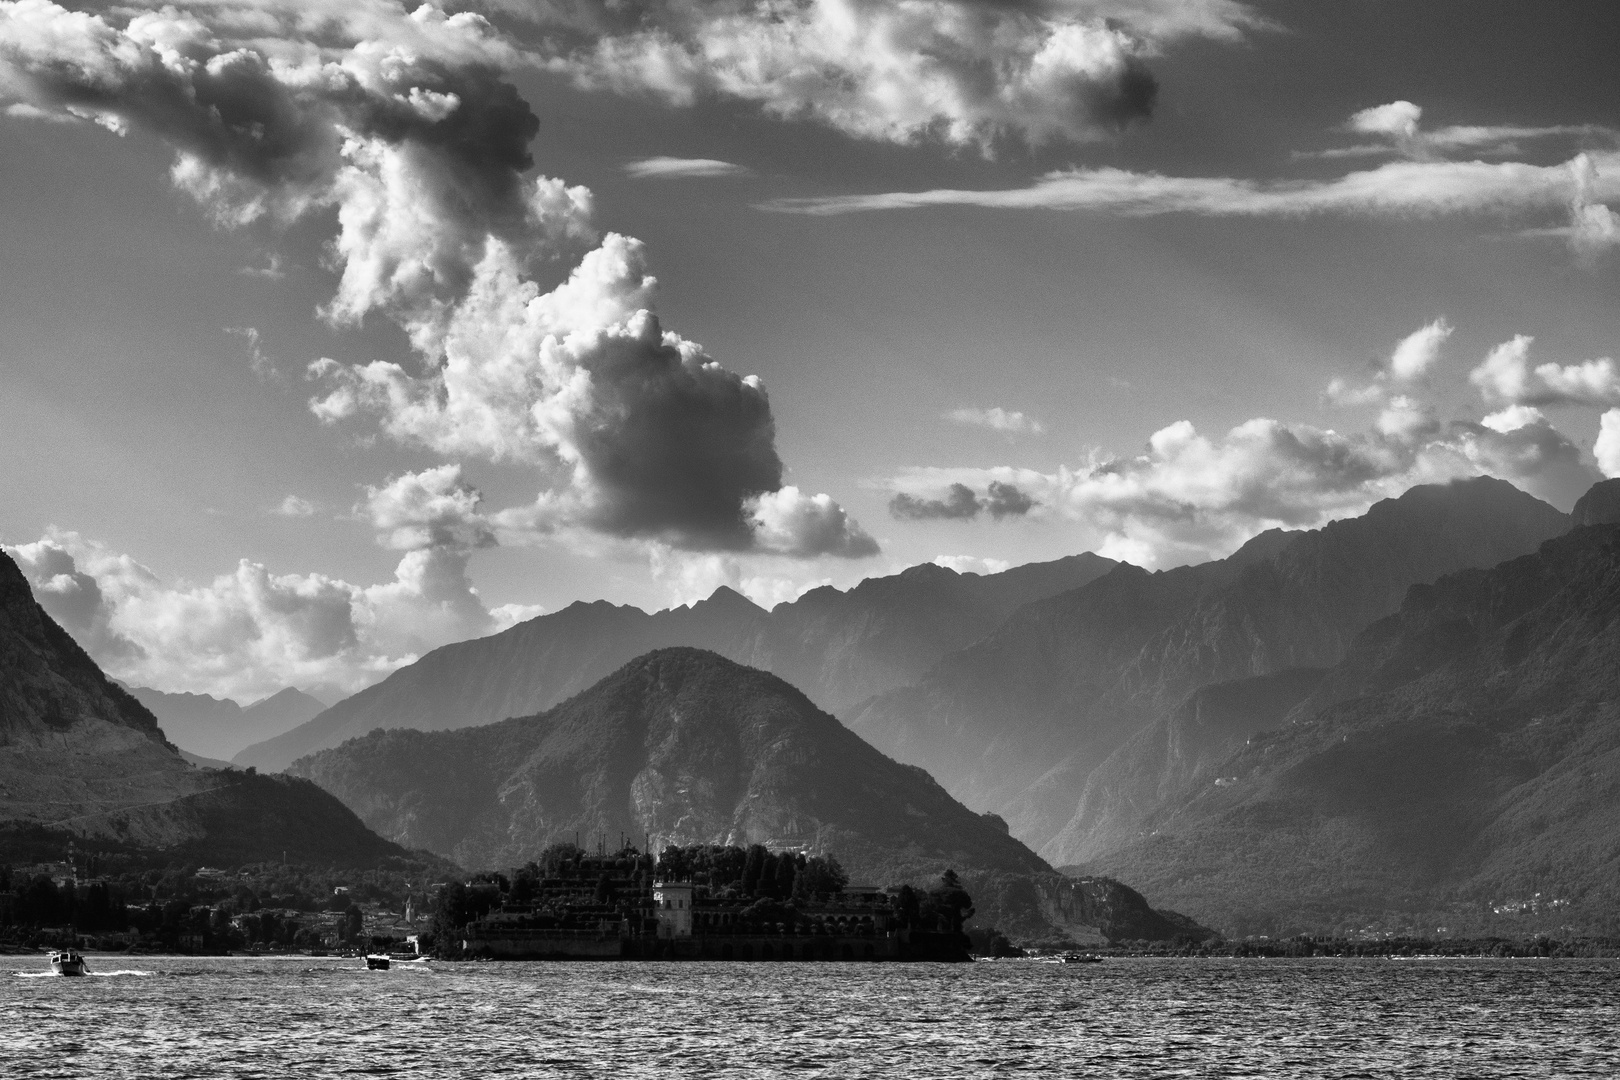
{"type": "Point", "coordinates": [80, 757]}
{"type": "Point", "coordinates": [1461, 763]}
{"type": "Point", "coordinates": [838, 647]}
{"type": "Point", "coordinates": [1017, 722]}
{"type": "Point", "coordinates": [219, 728]}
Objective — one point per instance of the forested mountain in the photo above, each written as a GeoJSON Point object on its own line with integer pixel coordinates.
{"type": "Point", "coordinates": [839, 647]}
{"type": "Point", "coordinates": [80, 758]}
{"type": "Point", "coordinates": [1460, 766]}
{"type": "Point", "coordinates": [1017, 722]}
{"type": "Point", "coordinates": [683, 746]}
{"type": "Point", "coordinates": [219, 728]}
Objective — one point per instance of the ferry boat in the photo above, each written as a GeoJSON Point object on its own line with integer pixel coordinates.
{"type": "Point", "coordinates": [376, 962]}
{"type": "Point", "coordinates": [67, 962]}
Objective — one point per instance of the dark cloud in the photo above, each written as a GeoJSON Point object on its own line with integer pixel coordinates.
{"type": "Point", "coordinates": [1005, 500]}
{"type": "Point", "coordinates": [674, 447]}
{"type": "Point", "coordinates": [961, 504]}
{"type": "Point", "coordinates": [1128, 98]}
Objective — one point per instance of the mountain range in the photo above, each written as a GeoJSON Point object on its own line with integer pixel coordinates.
{"type": "Point", "coordinates": [1017, 722]}
{"type": "Point", "coordinates": [682, 746]}
{"type": "Point", "coordinates": [838, 647]}
{"type": "Point", "coordinates": [219, 728]}
{"type": "Point", "coordinates": [1460, 766]}
{"type": "Point", "coordinates": [82, 759]}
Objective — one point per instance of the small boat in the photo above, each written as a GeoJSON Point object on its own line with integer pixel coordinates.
{"type": "Point", "coordinates": [376, 962]}
{"type": "Point", "coordinates": [67, 962]}
{"type": "Point", "coordinates": [1081, 958]}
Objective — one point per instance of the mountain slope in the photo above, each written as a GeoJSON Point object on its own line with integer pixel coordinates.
{"type": "Point", "coordinates": [683, 746]}
{"type": "Point", "coordinates": [80, 757]}
{"type": "Point", "coordinates": [219, 727]}
{"type": "Point", "coordinates": [1181, 748]}
{"type": "Point", "coordinates": [1016, 723]}
{"type": "Point", "coordinates": [1462, 764]}
{"type": "Point", "coordinates": [841, 647]}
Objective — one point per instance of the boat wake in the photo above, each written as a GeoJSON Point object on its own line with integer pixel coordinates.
{"type": "Point", "coordinates": [91, 974]}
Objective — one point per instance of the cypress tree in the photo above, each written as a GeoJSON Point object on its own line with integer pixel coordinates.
{"type": "Point", "coordinates": [752, 868]}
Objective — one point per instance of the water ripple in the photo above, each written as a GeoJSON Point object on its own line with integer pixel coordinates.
{"type": "Point", "coordinates": [1338, 1019]}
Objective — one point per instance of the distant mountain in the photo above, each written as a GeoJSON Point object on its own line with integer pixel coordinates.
{"type": "Point", "coordinates": [81, 758]}
{"type": "Point", "coordinates": [679, 746]}
{"type": "Point", "coordinates": [220, 728]}
{"type": "Point", "coordinates": [839, 647]}
{"type": "Point", "coordinates": [1017, 722]}
{"type": "Point", "coordinates": [1459, 767]}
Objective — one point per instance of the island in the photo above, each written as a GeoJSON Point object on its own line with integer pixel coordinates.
{"type": "Point", "coordinates": [701, 902]}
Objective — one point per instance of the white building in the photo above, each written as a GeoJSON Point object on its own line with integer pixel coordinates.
{"type": "Point", "coordinates": [674, 903]}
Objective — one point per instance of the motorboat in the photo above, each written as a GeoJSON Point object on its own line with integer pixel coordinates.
{"type": "Point", "coordinates": [67, 962]}
{"type": "Point", "coordinates": [1081, 958]}
{"type": "Point", "coordinates": [376, 962]}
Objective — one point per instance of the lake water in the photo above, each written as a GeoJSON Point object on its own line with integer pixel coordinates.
{"type": "Point", "coordinates": [175, 1017]}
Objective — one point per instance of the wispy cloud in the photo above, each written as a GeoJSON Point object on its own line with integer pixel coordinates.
{"type": "Point", "coordinates": [996, 418]}
{"type": "Point", "coordinates": [670, 168]}
{"type": "Point", "coordinates": [1398, 125]}
{"type": "Point", "coordinates": [294, 506]}
{"type": "Point", "coordinates": [1423, 184]}
{"type": "Point", "coordinates": [1401, 188]}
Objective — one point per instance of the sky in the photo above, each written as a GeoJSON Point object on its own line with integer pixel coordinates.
{"type": "Point", "coordinates": [338, 332]}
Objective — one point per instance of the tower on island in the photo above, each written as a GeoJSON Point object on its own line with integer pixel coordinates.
{"type": "Point", "coordinates": [674, 905]}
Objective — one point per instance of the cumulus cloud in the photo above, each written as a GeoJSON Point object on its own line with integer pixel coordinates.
{"type": "Point", "coordinates": [971, 564]}
{"type": "Point", "coordinates": [665, 168]}
{"type": "Point", "coordinates": [966, 72]}
{"type": "Point", "coordinates": [1418, 351]}
{"type": "Point", "coordinates": [1607, 447]}
{"type": "Point", "coordinates": [404, 127]}
{"type": "Point", "coordinates": [1414, 355]}
{"type": "Point", "coordinates": [1506, 377]}
{"type": "Point", "coordinates": [1398, 126]}
{"type": "Point", "coordinates": [960, 502]}
{"type": "Point", "coordinates": [1189, 497]}
{"type": "Point", "coordinates": [996, 418]}
{"type": "Point", "coordinates": [250, 632]}
{"type": "Point", "coordinates": [1520, 444]}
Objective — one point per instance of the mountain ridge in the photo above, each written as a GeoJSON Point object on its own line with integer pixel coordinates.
{"type": "Point", "coordinates": [683, 746]}
{"type": "Point", "coordinates": [1017, 722]}
{"type": "Point", "coordinates": [839, 646]}
{"type": "Point", "coordinates": [219, 728]}
{"type": "Point", "coordinates": [1459, 766]}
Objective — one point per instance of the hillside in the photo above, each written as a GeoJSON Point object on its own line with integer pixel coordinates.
{"type": "Point", "coordinates": [680, 746]}
{"type": "Point", "coordinates": [1017, 722]}
{"type": "Point", "coordinates": [839, 646]}
{"type": "Point", "coordinates": [219, 728]}
{"type": "Point", "coordinates": [1460, 767]}
{"type": "Point", "coordinates": [81, 758]}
